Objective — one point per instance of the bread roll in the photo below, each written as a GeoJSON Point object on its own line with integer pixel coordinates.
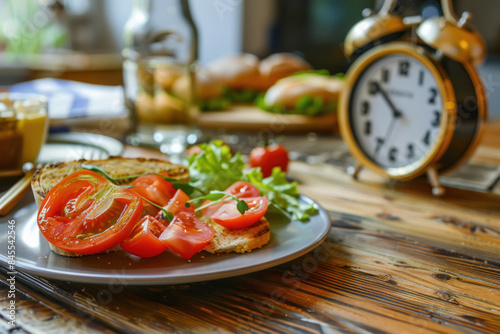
{"type": "Point", "coordinates": [207, 86]}
{"type": "Point", "coordinates": [279, 66]}
{"type": "Point", "coordinates": [237, 71]}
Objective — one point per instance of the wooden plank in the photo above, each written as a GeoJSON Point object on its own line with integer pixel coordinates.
{"type": "Point", "coordinates": [36, 316]}
{"type": "Point", "coordinates": [491, 136]}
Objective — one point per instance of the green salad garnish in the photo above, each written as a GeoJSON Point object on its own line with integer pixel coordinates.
{"type": "Point", "coordinates": [216, 168]}
{"type": "Point", "coordinates": [245, 95]}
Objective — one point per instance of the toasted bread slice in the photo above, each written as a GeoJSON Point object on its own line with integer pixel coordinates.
{"type": "Point", "coordinates": [46, 178]}
{"type": "Point", "coordinates": [224, 241]}
{"type": "Point", "coordinates": [239, 241]}
{"type": "Point", "coordinates": [62, 252]}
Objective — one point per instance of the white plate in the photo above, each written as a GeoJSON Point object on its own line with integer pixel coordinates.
{"type": "Point", "coordinates": [33, 255]}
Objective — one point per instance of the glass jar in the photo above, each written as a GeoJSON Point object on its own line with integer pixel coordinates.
{"type": "Point", "coordinates": [154, 62]}
{"type": "Point", "coordinates": [11, 142]}
{"type": "Point", "coordinates": [24, 125]}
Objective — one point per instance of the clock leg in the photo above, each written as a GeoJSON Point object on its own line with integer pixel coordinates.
{"type": "Point", "coordinates": [354, 171]}
{"type": "Point", "coordinates": [437, 189]}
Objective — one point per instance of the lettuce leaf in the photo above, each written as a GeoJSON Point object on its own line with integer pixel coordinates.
{"type": "Point", "coordinates": [215, 104]}
{"type": "Point", "coordinates": [306, 105]}
{"type": "Point", "coordinates": [217, 169]}
{"type": "Point", "coordinates": [245, 95]}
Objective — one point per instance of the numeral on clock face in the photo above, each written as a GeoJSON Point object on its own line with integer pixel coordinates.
{"type": "Point", "coordinates": [380, 142]}
{"type": "Point", "coordinates": [433, 94]}
{"type": "Point", "coordinates": [427, 138]}
{"type": "Point", "coordinates": [368, 128]}
{"type": "Point", "coordinates": [411, 152]}
{"type": "Point", "coordinates": [392, 154]}
{"type": "Point", "coordinates": [365, 108]}
{"type": "Point", "coordinates": [385, 75]}
{"type": "Point", "coordinates": [404, 68]}
{"type": "Point", "coordinates": [437, 119]}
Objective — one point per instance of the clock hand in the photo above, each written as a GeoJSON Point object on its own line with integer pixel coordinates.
{"type": "Point", "coordinates": [395, 112]}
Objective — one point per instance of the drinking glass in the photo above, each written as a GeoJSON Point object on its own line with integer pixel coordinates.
{"type": "Point", "coordinates": [23, 129]}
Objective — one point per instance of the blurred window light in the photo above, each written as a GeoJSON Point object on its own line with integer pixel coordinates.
{"type": "Point", "coordinates": [77, 7]}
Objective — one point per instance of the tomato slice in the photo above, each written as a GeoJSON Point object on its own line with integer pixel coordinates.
{"type": "Point", "coordinates": [178, 203]}
{"type": "Point", "coordinates": [144, 242]}
{"type": "Point", "coordinates": [154, 188]}
{"type": "Point", "coordinates": [229, 216]}
{"type": "Point", "coordinates": [186, 235]}
{"type": "Point", "coordinates": [86, 214]}
{"type": "Point", "coordinates": [240, 189]}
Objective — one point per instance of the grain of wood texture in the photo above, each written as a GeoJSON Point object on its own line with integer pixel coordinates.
{"type": "Point", "coordinates": [33, 316]}
{"type": "Point", "coordinates": [491, 136]}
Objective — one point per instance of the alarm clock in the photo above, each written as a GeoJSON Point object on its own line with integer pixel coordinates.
{"type": "Point", "coordinates": [415, 107]}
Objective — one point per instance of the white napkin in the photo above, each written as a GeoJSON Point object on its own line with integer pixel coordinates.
{"type": "Point", "coordinates": [71, 101]}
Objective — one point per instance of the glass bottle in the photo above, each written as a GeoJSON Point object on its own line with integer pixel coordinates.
{"type": "Point", "coordinates": [159, 73]}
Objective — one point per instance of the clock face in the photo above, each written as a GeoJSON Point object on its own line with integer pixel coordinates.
{"type": "Point", "coordinates": [395, 110]}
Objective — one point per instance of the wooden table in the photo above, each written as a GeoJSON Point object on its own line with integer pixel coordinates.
{"type": "Point", "coordinates": [397, 260]}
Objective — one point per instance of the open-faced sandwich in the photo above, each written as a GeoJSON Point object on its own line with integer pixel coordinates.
{"type": "Point", "coordinates": [147, 206]}
{"type": "Point", "coordinates": [281, 65]}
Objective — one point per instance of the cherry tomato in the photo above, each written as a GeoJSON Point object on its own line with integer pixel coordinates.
{"type": "Point", "coordinates": [269, 157]}
{"type": "Point", "coordinates": [143, 241]}
{"type": "Point", "coordinates": [193, 150]}
{"type": "Point", "coordinates": [229, 216]}
{"type": "Point", "coordinates": [240, 189]}
{"type": "Point", "coordinates": [186, 235]}
{"type": "Point", "coordinates": [86, 214]}
{"type": "Point", "coordinates": [154, 188]}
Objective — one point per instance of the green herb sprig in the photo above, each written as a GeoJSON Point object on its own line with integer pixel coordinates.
{"type": "Point", "coordinates": [164, 213]}
{"type": "Point", "coordinates": [185, 187]}
{"type": "Point", "coordinates": [215, 197]}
